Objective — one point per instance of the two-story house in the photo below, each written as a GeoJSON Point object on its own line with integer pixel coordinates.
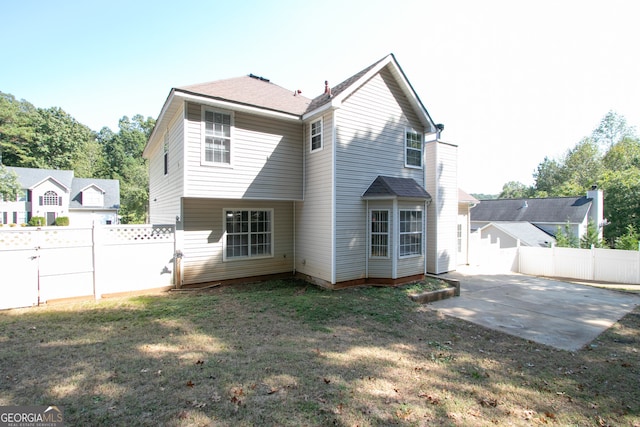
{"type": "Point", "coordinates": [348, 188]}
{"type": "Point", "coordinates": [51, 193]}
{"type": "Point", "coordinates": [535, 222]}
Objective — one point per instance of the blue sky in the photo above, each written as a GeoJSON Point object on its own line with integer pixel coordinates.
{"type": "Point", "coordinates": [512, 81]}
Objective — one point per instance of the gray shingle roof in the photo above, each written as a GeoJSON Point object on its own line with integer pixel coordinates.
{"type": "Point", "coordinates": [552, 210]}
{"type": "Point", "coordinates": [390, 187]}
{"type": "Point", "coordinates": [252, 91]}
{"type": "Point", "coordinates": [111, 188]}
{"type": "Point", "coordinates": [28, 177]}
{"type": "Point", "coordinates": [527, 233]}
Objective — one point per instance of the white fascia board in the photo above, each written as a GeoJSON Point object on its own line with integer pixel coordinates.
{"type": "Point", "coordinates": [93, 185]}
{"type": "Point", "coordinates": [411, 94]}
{"type": "Point", "coordinates": [318, 111]}
{"type": "Point", "coordinates": [163, 112]}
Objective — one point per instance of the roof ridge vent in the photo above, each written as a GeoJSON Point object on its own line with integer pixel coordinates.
{"type": "Point", "coordinates": [253, 76]}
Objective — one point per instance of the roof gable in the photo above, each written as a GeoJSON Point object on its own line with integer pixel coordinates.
{"type": "Point", "coordinates": [340, 92]}
{"type": "Point", "coordinates": [527, 233]}
{"type": "Point", "coordinates": [543, 210]}
{"type": "Point", "coordinates": [30, 178]}
{"type": "Point", "coordinates": [109, 187]}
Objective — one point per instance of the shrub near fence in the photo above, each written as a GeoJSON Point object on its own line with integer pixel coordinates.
{"type": "Point", "coordinates": [49, 263]}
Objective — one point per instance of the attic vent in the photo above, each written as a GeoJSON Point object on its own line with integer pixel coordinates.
{"type": "Point", "coordinates": [253, 76]}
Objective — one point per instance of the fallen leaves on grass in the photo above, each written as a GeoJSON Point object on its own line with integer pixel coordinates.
{"type": "Point", "coordinates": [488, 402]}
{"type": "Point", "coordinates": [434, 400]}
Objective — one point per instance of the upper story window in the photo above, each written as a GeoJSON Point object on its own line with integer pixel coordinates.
{"type": "Point", "coordinates": [413, 149]}
{"type": "Point", "coordinates": [316, 135]}
{"type": "Point", "coordinates": [50, 198]}
{"type": "Point", "coordinates": [216, 144]}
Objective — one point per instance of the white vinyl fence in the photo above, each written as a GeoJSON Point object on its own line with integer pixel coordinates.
{"type": "Point", "coordinates": [49, 263]}
{"type": "Point", "coordinates": [605, 265]}
{"type": "Point", "coordinates": [490, 256]}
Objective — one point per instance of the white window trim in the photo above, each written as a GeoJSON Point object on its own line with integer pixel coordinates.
{"type": "Point", "coordinates": [311, 135]}
{"type": "Point", "coordinates": [371, 234]}
{"type": "Point", "coordinates": [203, 125]}
{"type": "Point", "coordinates": [406, 148]}
{"type": "Point", "coordinates": [400, 233]}
{"type": "Point", "coordinates": [249, 256]}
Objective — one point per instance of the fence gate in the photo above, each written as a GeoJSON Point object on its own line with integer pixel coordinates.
{"type": "Point", "coordinates": [18, 268]}
{"type": "Point", "coordinates": [48, 263]}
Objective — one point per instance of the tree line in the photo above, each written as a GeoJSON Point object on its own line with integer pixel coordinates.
{"type": "Point", "coordinates": [49, 138]}
{"type": "Point", "coordinates": [610, 159]}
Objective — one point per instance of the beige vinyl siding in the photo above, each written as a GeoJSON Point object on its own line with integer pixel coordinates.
{"type": "Point", "coordinates": [165, 191]}
{"type": "Point", "coordinates": [203, 241]}
{"type": "Point", "coordinates": [442, 213]}
{"type": "Point", "coordinates": [370, 142]}
{"type": "Point", "coordinates": [266, 160]}
{"type": "Point", "coordinates": [314, 214]}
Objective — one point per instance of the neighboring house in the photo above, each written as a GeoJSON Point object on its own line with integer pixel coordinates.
{"type": "Point", "coordinates": [535, 222]}
{"type": "Point", "coordinates": [350, 187]}
{"type": "Point", "coordinates": [53, 193]}
{"type": "Point", "coordinates": [465, 203]}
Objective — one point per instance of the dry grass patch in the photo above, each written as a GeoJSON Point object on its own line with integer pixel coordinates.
{"type": "Point", "coordinates": [286, 353]}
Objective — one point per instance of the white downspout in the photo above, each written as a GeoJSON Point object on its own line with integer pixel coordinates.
{"type": "Point", "coordinates": [396, 240]}
{"type": "Point", "coordinates": [367, 239]}
{"type": "Point", "coordinates": [425, 234]}
{"type": "Point", "coordinates": [333, 197]}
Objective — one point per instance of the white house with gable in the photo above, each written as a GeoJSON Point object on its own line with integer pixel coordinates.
{"type": "Point", "coordinates": [51, 193]}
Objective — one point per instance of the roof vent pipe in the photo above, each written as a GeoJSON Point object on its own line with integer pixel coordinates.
{"type": "Point", "coordinates": [327, 89]}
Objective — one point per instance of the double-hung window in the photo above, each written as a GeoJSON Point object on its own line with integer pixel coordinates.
{"type": "Point", "coordinates": [410, 233]}
{"type": "Point", "coordinates": [379, 233]}
{"type": "Point", "coordinates": [413, 149]}
{"type": "Point", "coordinates": [248, 233]}
{"type": "Point", "coordinates": [217, 138]}
{"type": "Point", "coordinates": [316, 135]}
